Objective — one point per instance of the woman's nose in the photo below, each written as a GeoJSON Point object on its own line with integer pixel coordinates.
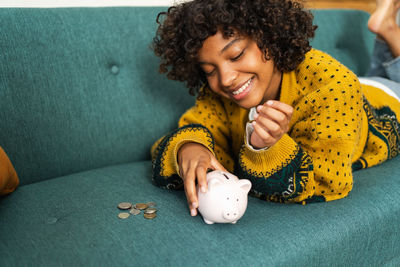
{"type": "Point", "coordinates": [227, 77]}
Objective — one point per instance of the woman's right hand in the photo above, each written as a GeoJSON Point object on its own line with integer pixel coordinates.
{"type": "Point", "coordinates": [194, 160]}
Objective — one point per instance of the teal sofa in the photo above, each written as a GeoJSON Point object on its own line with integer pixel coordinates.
{"type": "Point", "coordinates": [81, 103]}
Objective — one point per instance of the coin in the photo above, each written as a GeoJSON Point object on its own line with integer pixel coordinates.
{"type": "Point", "coordinates": [124, 205]}
{"type": "Point", "coordinates": [123, 215]}
{"type": "Point", "coordinates": [150, 210]}
{"type": "Point", "coordinates": [151, 204]}
{"type": "Point", "coordinates": [141, 206]}
{"type": "Point", "coordinates": [134, 211]}
{"type": "Point", "coordinates": [149, 215]}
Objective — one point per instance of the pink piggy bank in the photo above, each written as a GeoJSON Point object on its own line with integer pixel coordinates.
{"type": "Point", "coordinates": [226, 198]}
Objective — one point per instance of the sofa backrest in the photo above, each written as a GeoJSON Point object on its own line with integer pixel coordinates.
{"type": "Point", "coordinates": [343, 33]}
{"type": "Point", "coordinates": [80, 89]}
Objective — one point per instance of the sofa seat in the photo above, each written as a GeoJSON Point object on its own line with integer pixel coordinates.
{"type": "Point", "coordinates": [72, 221]}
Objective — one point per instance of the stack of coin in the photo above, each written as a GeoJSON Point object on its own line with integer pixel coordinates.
{"type": "Point", "coordinates": [149, 210]}
{"type": "Point", "coordinates": [150, 213]}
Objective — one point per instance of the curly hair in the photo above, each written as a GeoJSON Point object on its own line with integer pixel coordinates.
{"type": "Point", "coordinates": [281, 29]}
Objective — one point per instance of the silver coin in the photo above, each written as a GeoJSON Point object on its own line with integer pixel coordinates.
{"type": "Point", "coordinates": [134, 211]}
{"type": "Point", "coordinates": [151, 204]}
{"type": "Point", "coordinates": [123, 215]}
{"type": "Point", "coordinates": [150, 210]}
{"type": "Point", "coordinates": [124, 205]}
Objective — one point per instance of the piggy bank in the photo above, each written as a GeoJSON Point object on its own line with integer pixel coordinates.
{"type": "Point", "coordinates": [226, 198]}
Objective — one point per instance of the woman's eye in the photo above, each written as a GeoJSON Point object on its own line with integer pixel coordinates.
{"type": "Point", "coordinates": [209, 73]}
{"type": "Point", "coordinates": [238, 56]}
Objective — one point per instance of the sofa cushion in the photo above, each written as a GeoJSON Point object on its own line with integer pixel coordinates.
{"type": "Point", "coordinates": [72, 221]}
{"type": "Point", "coordinates": [8, 177]}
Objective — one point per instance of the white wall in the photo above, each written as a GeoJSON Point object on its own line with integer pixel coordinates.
{"type": "Point", "coordinates": [85, 3]}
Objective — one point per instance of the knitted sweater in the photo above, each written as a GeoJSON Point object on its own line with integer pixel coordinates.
{"type": "Point", "coordinates": [337, 126]}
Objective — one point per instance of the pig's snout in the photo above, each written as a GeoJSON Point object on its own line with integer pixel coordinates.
{"type": "Point", "coordinates": [231, 214]}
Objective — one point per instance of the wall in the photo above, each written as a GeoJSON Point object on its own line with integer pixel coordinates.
{"type": "Point", "coordinates": [89, 3]}
{"type": "Point", "coordinates": [366, 5]}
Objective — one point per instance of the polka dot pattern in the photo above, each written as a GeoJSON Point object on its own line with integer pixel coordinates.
{"type": "Point", "coordinates": [328, 121]}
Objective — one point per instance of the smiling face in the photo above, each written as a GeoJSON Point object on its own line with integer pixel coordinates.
{"type": "Point", "coordinates": [236, 68]}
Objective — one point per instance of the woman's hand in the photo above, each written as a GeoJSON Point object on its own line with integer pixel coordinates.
{"type": "Point", "coordinates": [270, 123]}
{"type": "Point", "coordinates": [194, 160]}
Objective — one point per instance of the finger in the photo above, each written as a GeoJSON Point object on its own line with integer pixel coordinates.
{"type": "Point", "coordinates": [272, 113]}
{"type": "Point", "coordinates": [272, 119]}
{"type": "Point", "coordinates": [285, 108]}
{"type": "Point", "coordinates": [182, 170]}
{"type": "Point", "coordinates": [184, 167]}
{"type": "Point", "coordinates": [216, 165]}
{"type": "Point", "coordinates": [270, 126]}
{"type": "Point", "coordinates": [276, 116]}
{"type": "Point", "coordinates": [263, 135]}
{"type": "Point", "coordinates": [201, 173]}
{"type": "Point", "coordinates": [190, 191]}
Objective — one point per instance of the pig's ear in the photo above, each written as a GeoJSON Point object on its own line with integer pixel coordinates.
{"type": "Point", "coordinates": [244, 184]}
{"type": "Point", "coordinates": [213, 182]}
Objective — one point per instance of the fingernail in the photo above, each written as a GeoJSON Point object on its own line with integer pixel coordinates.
{"type": "Point", "coordinates": [270, 102]}
{"type": "Point", "coordinates": [194, 205]}
{"type": "Point", "coordinates": [203, 189]}
{"type": "Point", "coordinates": [193, 212]}
{"type": "Point", "coordinates": [256, 116]}
{"type": "Point", "coordinates": [259, 108]}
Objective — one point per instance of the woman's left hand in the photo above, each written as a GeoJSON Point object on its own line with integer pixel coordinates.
{"type": "Point", "coordinates": [270, 123]}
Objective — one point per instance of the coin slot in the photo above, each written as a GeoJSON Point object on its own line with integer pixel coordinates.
{"type": "Point", "coordinates": [226, 176]}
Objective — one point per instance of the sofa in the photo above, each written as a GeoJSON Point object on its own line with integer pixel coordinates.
{"type": "Point", "coordinates": [81, 103]}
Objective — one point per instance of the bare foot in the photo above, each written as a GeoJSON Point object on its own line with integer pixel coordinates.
{"type": "Point", "coordinates": [384, 16]}
{"type": "Point", "coordinates": [383, 23]}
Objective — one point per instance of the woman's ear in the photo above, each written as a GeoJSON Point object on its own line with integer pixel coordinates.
{"type": "Point", "coordinates": [265, 53]}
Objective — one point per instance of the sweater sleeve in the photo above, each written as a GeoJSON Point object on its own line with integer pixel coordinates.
{"type": "Point", "coordinates": [206, 124]}
{"type": "Point", "coordinates": [313, 162]}
{"type": "Point", "coordinates": [282, 173]}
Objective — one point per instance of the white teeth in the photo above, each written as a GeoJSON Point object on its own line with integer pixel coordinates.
{"type": "Point", "coordinates": [244, 87]}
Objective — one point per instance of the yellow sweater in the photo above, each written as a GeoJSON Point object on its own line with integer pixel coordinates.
{"type": "Point", "coordinates": [337, 126]}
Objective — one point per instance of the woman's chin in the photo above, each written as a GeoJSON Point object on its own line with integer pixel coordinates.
{"type": "Point", "coordinates": [248, 104]}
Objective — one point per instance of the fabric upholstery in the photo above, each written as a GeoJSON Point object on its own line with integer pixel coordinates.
{"type": "Point", "coordinates": [81, 102]}
{"type": "Point", "coordinates": [344, 34]}
{"type": "Point", "coordinates": [8, 177]}
{"type": "Point", "coordinates": [72, 221]}
{"type": "Point", "coordinates": [83, 88]}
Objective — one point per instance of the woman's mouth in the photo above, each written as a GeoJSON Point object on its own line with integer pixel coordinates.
{"type": "Point", "coordinates": [243, 90]}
